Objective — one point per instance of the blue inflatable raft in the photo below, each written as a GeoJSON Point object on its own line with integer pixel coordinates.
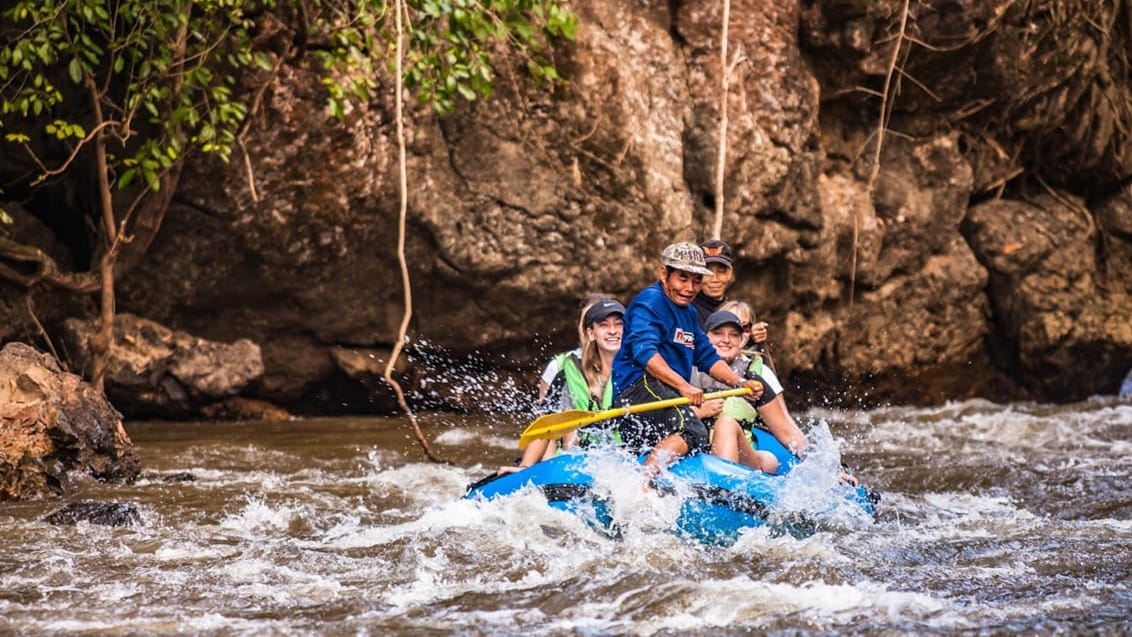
{"type": "Point", "coordinates": [722, 498]}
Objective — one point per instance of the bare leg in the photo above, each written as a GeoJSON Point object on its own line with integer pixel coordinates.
{"type": "Point", "coordinates": [764, 461]}
{"type": "Point", "coordinates": [725, 438]}
{"type": "Point", "coordinates": [665, 451]}
{"type": "Point", "coordinates": [537, 450]}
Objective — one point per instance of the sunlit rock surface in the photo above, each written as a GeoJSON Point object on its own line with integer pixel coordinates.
{"type": "Point", "coordinates": [55, 429]}
{"type": "Point", "coordinates": [1058, 308]}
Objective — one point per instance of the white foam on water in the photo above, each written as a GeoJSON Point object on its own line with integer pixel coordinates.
{"type": "Point", "coordinates": [460, 437]}
{"type": "Point", "coordinates": [638, 510]}
{"type": "Point", "coordinates": [744, 602]}
{"type": "Point", "coordinates": [521, 555]}
{"type": "Point", "coordinates": [422, 484]}
{"type": "Point", "coordinates": [258, 515]}
{"type": "Point", "coordinates": [147, 621]}
{"type": "Point", "coordinates": [1013, 434]}
{"type": "Point", "coordinates": [761, 544]}
{"type": "Point", "coordinates": [192, 552]}
{"type": "Point", "coordinates": [514, 518]}
{"type": "Point", "coordinates": [1116, 525]}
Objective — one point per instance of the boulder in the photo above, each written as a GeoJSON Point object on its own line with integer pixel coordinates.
{"type": "Point", "coordinates": [154, 370]}
{"type": "Point", "coordinates": [55, 428]}
{"type": "Point", "coordinates": [240, 408]}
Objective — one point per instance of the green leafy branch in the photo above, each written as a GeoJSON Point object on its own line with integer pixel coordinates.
{"type": "Point", "coordinates": [449, 49]}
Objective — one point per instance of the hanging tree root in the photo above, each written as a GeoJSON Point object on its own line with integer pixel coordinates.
{"type": "Point", "coordinates": [405, 281]}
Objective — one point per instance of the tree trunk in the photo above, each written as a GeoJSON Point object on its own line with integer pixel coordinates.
{"type": "Point", "coordinates": [111, 239]}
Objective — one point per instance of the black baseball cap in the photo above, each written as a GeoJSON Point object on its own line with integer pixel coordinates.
{"type": "Point", "coordinates": [716, 251]}
{"type": "Point", "coordinates": [721, 318]}
{"type": "Point", "coordinates": [601, 310]}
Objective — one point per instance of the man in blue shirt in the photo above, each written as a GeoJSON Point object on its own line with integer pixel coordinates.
{"type": "Point", "coordinates": [662, 341]}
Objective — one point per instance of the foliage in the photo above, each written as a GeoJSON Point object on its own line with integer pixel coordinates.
{"type": "Point", "coordinates": [156, 75]}
{"type": "Point", "coordinates": [162, 73]}
{"type": "Point", "coordinates": [449, 48]}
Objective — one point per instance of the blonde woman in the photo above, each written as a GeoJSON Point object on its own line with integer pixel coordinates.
{"type": "Point", "coordinates": [754, 335]}
{"type": "Point", "coordinates": [582, 381]}
{"type": "Point", "coordinates": [554, 365]}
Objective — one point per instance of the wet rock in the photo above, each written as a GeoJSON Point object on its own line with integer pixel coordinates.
{"type": "Point", "coordinates": [521, 203]}
{"type": "Point", "coordinates": [154, 370]}
{"type": "Point", "coordinates": [183, 476]}
{"type": "Point", "coordinates": [55, 428]}
{"type": "Point", "coordinates": [101, 513]}
{"type": "Point", "coordinates": [240, 408]}
{"type": "Point", "coordinates": [919, 309]}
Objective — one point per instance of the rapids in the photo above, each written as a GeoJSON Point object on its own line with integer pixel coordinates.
{"type": "Point", "coordinates": [994, 518]}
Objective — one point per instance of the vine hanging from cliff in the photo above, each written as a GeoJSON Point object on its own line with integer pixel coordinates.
{"type": "Point", "coordinates": [450, 59]}
{"type": "Point", "coordinates": [402, 209]}
{"type": "Point", "coordinates": [887, 98]}
{"type": "Point", "coordinates": [727, 68]}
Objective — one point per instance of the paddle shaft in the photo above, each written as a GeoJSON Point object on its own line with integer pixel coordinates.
{"type": "Point", "coordinates": [555, 428]}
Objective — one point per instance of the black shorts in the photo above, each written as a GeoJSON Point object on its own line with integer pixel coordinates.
{"type": "Point", "coordinates": [641, 431]}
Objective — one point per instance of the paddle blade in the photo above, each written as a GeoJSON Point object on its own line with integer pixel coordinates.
{"type": "Point", "coordinates": [553, 426]}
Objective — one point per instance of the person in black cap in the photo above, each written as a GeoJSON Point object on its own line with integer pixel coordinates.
{"type": "Point", "coordinates": [554, 365]}
{"type": "Point", "coordinates": [583, 380]}
{"type": "Point", "coordinates": [711, 298]}
{"type": "Point", "coordinates": [717, 256]}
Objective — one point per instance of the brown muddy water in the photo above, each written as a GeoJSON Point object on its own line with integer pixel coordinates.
{"type": "Point", "coordinates": [995, 519]}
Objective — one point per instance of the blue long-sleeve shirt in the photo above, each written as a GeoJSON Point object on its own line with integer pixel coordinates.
{"type": "Point", "coordinates": [654, 324]}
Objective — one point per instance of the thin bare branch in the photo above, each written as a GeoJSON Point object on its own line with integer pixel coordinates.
{"type": "Point", "coordinates": [721, 154]}
{"type": "Point", "coordinates": [39, 326]}
{"type": "Point", "coordinates": [885, 111]}
{"type": "Point", "coordinates": [74, 153]}
{"type": "Point", "coordinates": [403, 186]}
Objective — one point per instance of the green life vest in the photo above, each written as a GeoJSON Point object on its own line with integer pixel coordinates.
{"type": "Point", "coordinates": [741, 409]}
{"type": "Point", "coordinates": [579, 389]}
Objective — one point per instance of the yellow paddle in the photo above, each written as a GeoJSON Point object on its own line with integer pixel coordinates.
{"type": "Point", "coordinates": [553, 426]}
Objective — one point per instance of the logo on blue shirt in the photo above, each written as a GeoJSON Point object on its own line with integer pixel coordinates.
{"type": "Point", "coordinates": [687, 339]}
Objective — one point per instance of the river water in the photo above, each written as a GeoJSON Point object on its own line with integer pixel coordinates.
{"type": "Point", "coordinates": [994, 519]}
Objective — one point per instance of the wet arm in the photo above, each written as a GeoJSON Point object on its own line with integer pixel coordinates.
{"type": "Point", "coordinates": [724, 374]}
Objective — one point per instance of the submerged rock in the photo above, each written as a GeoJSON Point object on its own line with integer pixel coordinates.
{"type": "Point", "coordinates": [103, 513]}
{"type": "Point", "coordinates": [180, 476]}
{"type": "Point", "coordinates": [239, 408]}
{"type": "Point", "coordinates": [55, 427]}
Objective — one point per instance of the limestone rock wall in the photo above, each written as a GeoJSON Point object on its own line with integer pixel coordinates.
{"type": "Point", "coordinates": [988, 255]}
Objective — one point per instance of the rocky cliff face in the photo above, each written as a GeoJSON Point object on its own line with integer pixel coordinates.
{"type": "Point", "coordinates": [989, 255]}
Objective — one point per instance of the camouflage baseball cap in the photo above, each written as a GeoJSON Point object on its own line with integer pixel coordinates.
{"type": "Point", "coordinates": [685, 256]}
